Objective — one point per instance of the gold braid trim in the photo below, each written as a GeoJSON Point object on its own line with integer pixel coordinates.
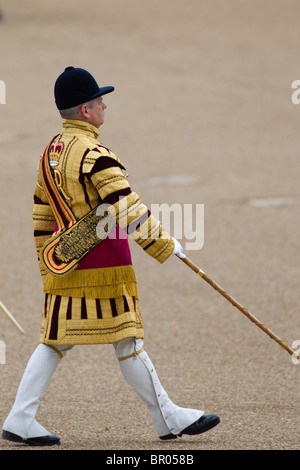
{"type": "Point", "coordinates": [56, 350]}
{"type": "Point", "coordinates": [134, 354]}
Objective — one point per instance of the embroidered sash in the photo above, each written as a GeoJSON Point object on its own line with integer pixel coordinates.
{"type": "Point", "coordinates": [73, 239]}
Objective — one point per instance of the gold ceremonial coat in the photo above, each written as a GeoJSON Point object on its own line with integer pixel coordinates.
{"type": "Point", "coordinates": [98, 301]}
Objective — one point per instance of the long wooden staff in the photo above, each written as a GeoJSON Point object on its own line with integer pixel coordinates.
{"type": "Point", "coordinates": [11, 317]}
{"type": "Point", "coordinates": [236, 304]}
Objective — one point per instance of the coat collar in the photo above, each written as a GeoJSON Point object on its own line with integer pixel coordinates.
{"type": "Point", "coordinates": [80, 127]}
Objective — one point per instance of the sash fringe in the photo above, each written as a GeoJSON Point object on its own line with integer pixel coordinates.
{"type": "Point", "coordinates": [94, 283]}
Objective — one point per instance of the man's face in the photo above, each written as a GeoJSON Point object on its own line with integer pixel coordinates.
{"type": "Point", "coordinates": [96, 113]}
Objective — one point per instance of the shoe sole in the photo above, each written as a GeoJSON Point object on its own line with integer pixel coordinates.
{"type": "Point", "coordinates": [209, 426]}
{"type": "Point", "coordinates": [9, 436]}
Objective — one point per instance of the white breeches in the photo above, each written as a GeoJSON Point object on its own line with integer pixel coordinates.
{"type": "Point", "coordinates": [137, 369]}
{"type": "Point", "coordinates": [21, 419]}
{"type": "Point", "coordinates": [140, 374]}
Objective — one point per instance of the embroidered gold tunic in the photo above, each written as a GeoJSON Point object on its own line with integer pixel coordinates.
{"type": "Point", "coordinates": [98, 301]}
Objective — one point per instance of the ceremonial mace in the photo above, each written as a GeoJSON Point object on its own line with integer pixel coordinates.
{"type": "Point", "coordinates": [236, 304]}
{"type": "Point", "coordinates": [11, 317]}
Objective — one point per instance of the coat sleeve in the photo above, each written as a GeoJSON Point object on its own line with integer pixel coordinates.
{"type": "Point", "coordinates": [43, 219]}
{"type": "Point", "coordinates": [107, 175]}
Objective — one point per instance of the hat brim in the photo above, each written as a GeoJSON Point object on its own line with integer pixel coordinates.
{"type": "Point", "coordinates": [103, 91]}
{"type": "Point", "coordinates": [80, 99]}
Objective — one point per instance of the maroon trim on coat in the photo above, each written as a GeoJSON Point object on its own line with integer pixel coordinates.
{"type": "Point", "coordinates": [40, 233]}
{"type": "Point", "coordinates": [45, 305]}
{"type": "Point", "coordinates": [98, 308]}
{"type": "Point", "coordinates": [83, 309]}
{"type": "Point", "coordinates": [126, 306]}
{"type": "Point", "coordinates": [69, 309]}
{"type": "Point", "coordinates": [102, 163]}
{"type": "Point", "coordinates": [54, 320]}
{"type": "Point", "coordinates": [37, 200]}
{"type": "Point", "coordinates": [114, 197]}
{"type": "Point", "coordinates": [113, 307]}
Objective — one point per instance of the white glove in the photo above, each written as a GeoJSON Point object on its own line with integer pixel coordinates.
{"type": "Point", "coordinates": [178, 250]}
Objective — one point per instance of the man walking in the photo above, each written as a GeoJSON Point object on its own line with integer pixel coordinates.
{"type": "Point", "coordinates": [84, 208]}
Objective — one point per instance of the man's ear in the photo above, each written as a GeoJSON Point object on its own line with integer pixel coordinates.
{"type": "Point", "coordinates": [83, 113]}
{"type": "Point", "coordinates": [84, 110]}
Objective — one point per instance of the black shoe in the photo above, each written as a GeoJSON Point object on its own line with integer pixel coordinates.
{"type": "Point", "coordinates": [49, 440]}
{"type": "Point", "coordinates": [203, 424]}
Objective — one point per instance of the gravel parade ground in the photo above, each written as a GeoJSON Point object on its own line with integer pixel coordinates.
{"type": "Point", "coordinates": [203, 115]}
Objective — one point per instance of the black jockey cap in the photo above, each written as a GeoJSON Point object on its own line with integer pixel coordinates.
{"type": "Point", "coordinates": [76, 86]}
